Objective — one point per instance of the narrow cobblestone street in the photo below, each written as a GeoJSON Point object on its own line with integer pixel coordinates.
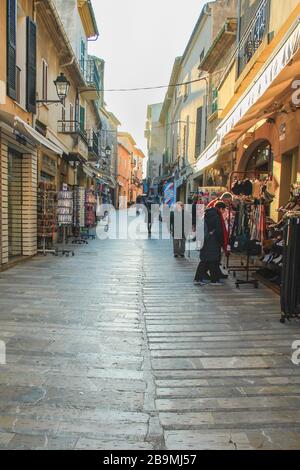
{"type": "Point", "coordinates": [116, 349]}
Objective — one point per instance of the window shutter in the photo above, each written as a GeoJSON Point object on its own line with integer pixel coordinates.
{"type": "Point", "coordinates": [198, 147]}
{"type": "Point", "coordinates": [31, 66]}
{"type": "Point", "coordinates": [12, 49]}
{"type": "Point", "coordinates": [82, 118]}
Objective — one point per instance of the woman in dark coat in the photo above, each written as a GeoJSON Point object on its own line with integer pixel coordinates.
{"type": "Point", "coordinates": [215, 239]}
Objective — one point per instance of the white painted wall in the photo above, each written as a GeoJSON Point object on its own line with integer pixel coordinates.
{"type": "Point", "coordinates": [188, 99]}
{"type": "Point", "coordinates": [156, 141]}
{"type": "Point", "coordinates": [71, 20]}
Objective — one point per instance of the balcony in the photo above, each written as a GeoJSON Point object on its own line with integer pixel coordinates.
{"type": "Point", "coordinates": [93, 143]}
{"type": "Point", "coordinates": [92, 79]}
{"type": "Point", "coordinates": [254, 35]}
{"type": "Point", "coordinates": [71, 127]}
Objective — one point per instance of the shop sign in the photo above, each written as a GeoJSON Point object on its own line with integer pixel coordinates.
{"type": "Point", "coordinates": [169, 193]}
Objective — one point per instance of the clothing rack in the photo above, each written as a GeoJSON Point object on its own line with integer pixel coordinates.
{"type": "Point", "coordinates": [246, 239]}
{"type": "Point", "coordinates": [246, 174]}
{"type": "Point", "coordinates": [290, 288]}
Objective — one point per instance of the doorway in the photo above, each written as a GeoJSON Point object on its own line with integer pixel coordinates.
{"type": "Point", "coordinates": [14, 204]}
{"type": "Point", "coordinates": [288, 175]}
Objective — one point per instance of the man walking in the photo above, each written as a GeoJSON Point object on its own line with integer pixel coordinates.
{"type": "Point", "coordinates": [178, 230]}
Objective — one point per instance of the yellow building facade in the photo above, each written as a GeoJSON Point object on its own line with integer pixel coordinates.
{"type": "Point", "coordinates": [255, 127]}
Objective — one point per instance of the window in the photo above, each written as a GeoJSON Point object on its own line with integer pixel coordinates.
{"type": "Point", "coordinates": [44, 80]}
{"type": "Point", "coordinates": [11, 48]}
{"type": "Point", "coordinates": [30, 65]}
{"type": "Point", "coordinates": [186, 90]}
{"type": "Point", "coordinates": [202, 55]}
{"type": "Point", "coordinates": [82, 54]}
{"type": "Point", "coordinates": [214, 101]}
{"type": "Point", "coordinates": [82, 119]}
{"type": "Point", "coordinates": [184, 143]}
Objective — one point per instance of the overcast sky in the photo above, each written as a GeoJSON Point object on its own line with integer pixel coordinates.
{"type": "Point", "coordinates": [139, 40]}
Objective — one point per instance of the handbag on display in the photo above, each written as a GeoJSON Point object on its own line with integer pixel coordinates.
{"type": "Point", "coordinates": [254, 248]}
{"type": "Point", "coordinates": [239, 244]}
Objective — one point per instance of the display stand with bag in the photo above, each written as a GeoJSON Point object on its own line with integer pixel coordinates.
{"type": "Point", "coordinates": [78, 215]}
{"type": "Point", "coordinates": [46, 218]}
{"type": "Point", "coordinates": [65, 217]}
{"type": "Point", "coordinates": [90, 214]}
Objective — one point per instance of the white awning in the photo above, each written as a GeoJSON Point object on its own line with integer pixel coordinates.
{"type": "Point", "coordinates": [272, 69]}
{"type": "Point", "coordinates": [208, 157]}
{"type": "Point", "coordinates": [88, 171]}
{"type": "Point", "coordinates": [31, 133]}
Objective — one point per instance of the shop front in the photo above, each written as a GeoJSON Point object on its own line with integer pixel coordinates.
{"type": "Point", "coordinates": [19, 147]}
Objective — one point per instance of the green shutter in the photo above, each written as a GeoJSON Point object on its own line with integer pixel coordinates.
{"type": "Point", "coordinates": [214, 100]}
{"type": "Point", "coordinates": [82, 118]}
{"type": "Point", "coordinates": [31, 66]}
{"type": "Point", "coordinates": [12, 48]}
{"type": "Point", "coordinates": [198, 146]}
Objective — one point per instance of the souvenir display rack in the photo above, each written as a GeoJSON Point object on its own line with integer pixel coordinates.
{"type": "Point", "coordinates": [90, 213]}
{"type": "Point", "coordinates": [208, 194]}
{"type": "Point", "coordinates": [65, 217]}
{"type": "Point", "coordinates": [46, 217]}
{"type": "Point", "coordinates": [78, 215]}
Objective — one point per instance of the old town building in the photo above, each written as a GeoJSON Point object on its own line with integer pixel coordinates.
{"type": "Point", "coordinates": [54, 126]}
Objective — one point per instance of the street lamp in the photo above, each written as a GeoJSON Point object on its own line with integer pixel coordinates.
{"type": "Point", "coordinates": [62, 86]}
{"type": "Point", "coordinates": [108, 151]}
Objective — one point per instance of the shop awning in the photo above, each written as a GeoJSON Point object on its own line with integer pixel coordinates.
{"type": "Point", "coordinates": [274, 81]}
{"type": "Point", "coordinates": [113, 182]}
{"type": "Point", "coordinates": [207, 158]}
{"type": "Point", "coordinates": [28, 131]}
{"type": "Point", "coordinates": [103, 181]}
{"type": "Point", "coordinates": [88, 171]}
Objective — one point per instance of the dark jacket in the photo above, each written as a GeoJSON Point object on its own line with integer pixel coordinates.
{"type": "Point", "coordinates": [214, 239]}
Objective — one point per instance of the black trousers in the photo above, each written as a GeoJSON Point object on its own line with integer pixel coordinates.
{"type": "Point", "coordinates": [204, 266]}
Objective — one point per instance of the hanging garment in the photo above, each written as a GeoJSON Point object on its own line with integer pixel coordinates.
{"type": "Point", "coordinates": [290, 288]}
{"type": "Point", "coordinates": [256, 192]}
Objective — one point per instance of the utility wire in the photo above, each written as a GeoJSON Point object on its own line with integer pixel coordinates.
{"type": "Point", "coordinates": [156, 87]}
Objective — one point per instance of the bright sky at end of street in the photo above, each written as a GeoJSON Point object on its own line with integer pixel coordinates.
{"type": "Point", "coordinates": [139, 40]}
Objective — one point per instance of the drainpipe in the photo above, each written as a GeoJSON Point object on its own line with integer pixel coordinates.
{"type": "Point", "coordinates": [239, 14]}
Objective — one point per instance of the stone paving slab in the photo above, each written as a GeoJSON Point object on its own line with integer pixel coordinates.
{"type": "Point", "coordinates": [117, 349]}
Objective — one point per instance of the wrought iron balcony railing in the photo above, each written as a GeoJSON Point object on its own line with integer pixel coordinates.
{"type": "Point", "coordinates": [72, 127]}
{"type": "Point", "coordinates": [93, 142]}
{"type": "Point", "coordinates": [253, 36]}
{"type": "Point", "coordinates": [91, 73]}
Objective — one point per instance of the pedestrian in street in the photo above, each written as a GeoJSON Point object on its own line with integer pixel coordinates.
{"type": "Point", "coordinates": [148, 216]}
{"type": "Point", "coordinates": [177, 226]}
{"type": "Point", "coordinates": [215, 238]}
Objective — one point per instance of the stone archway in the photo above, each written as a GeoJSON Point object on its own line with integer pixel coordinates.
{"type": "Point", "coordinates": [257, 157]}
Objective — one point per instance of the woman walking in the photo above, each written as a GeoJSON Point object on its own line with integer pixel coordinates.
{"type": "Point", "coordinates": [216, 237]}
